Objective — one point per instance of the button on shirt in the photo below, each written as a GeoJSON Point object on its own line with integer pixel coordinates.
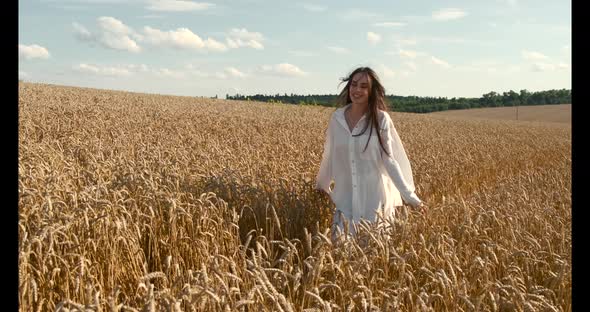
{"type": "Point", "coordinates": [366, 182]}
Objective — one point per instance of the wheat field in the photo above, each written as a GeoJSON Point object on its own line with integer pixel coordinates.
{"type": "Point", "coordinates": [143, 202]}
{"type": "Point", "coordinates": [561, 113]}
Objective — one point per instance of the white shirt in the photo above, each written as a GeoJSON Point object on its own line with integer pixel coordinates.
{"type": "Point", "coordinates": [365, 182]}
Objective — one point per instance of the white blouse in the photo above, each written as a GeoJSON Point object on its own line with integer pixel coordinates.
{"type": "Point", "coordinates": [365, 182]}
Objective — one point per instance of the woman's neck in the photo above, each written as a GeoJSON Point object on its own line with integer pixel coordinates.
{"type": "Point", "coordinates": [358, 109]}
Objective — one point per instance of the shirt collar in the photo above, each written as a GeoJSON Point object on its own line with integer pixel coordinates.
{"type": "Point", "coordinates": [340, 116]}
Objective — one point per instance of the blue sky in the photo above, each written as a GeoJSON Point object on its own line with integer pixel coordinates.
{"type": "Point", "coordinates": [218, 47]}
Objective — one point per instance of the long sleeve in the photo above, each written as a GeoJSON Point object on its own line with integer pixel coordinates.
{"type": "Point", "coordinates": [397, 164]}
{"type": "Point", "coordinates": [325, 176]}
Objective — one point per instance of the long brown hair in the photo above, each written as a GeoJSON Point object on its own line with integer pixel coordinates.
{"type": "Point", "coordinates": [376, 102]}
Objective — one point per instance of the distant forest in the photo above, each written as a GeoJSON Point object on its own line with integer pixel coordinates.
{"type": "Point", "coordinates": [417, 104]}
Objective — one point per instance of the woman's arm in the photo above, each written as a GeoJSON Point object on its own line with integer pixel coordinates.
{"type": "Point", "coordinates": [324, 177]}
{"type": "Point", "coordinates": [397, 164]}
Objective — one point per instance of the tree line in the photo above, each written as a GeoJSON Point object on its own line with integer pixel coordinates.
{"type": "Point", "coordinates": [419, 104]}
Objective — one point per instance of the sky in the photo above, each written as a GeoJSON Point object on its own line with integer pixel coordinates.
{"type": "Point", "coordinates": [218, 47]}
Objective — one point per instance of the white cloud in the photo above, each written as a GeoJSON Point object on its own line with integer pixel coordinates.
{"type": "Point", "coordinates": [289, 70]}
{"type": "Point", "coordinates": [113, 25]}
{"type": "Point", "coordinates": [301, 53]}
{"type": "Point", "coordinates": [167, 73]}
{"type": "Point", "coordinates": [81, 32]}
{"type": "Point", "coordinates": [448, 14]}
{"type": "Point", "coordinates": [214, 45]}
{"type": "Point", "coordinates": [340, 50]}
{"type": "Point", "coordinates": [219, 75]}
{"type": "Point", "coordinates": [234, 72]}
{"type": "Point", "coordinates": [511, 3]}
{"type": "Point", "coordinates": [139, 68]}
{"type": "Point", "coordinates": [192, 70]}
{"type": "Point", "coordinates": [243, 38]}
{"type": "Point", "coordinates": [115, 35]}
{"type": "Point", "coordinates": [407, 53]}
{"type": "Point", "coordinates": [129, 70]}
{"type": "Point", "coordinates": [389, 24]}
{"type": "Point", "coordinates": [181, 38]}
{"type": "Point", "coordinates": [87, 68]}
{"type": "Point", "coordinates": [439, 62]}
{"type": "Point", "coordinates": [488, 66]}
{"type": "Point", "coordinates": [117, 71]}
{"type": "Point", "coordinates": [244, 34]}
{"type": "Point", "coordinates": [411, 65]}
{"type": "Point", "coordinates": [97, 1]}
{"type": "Point", "coordinates": [177, 5]}
{"type": "Point", "coordinates": [32, 51]}
{"type": "Point", "coordinates": [386, 71]}
{"type": "Point", "coordinates": [23, 75]}
{"type": "Point", "coordinates": [283, 70]}
{"type": "Point", "coordinates": [356, 14]}
{"type": "Point", "coordinates": [151, 16]}
{"type": "Point", "coordinates": [540, 67]}
{"type": "Point", "coordinates": [314, 8]}
{"type": "Point", "coordinates": [405, 41]}
{"type": "Point", "coordinates": [373, 38]}
{"type": "Point", "coordinates": [533, 55]}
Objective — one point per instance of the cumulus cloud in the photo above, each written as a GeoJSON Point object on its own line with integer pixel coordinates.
{"type": "Point", "coordinates": [533, 55]}
{"type": "Point", "coordinates": [243, 38]}
{"type": "Point", "coordinates": [283, 70]}
{"type": "Point", "coordinates": [23, 75]}
{"type": "Point", "coordinates": [234, 72]}
{"type": "Point", "coordinates": [404, 41]}
{"type": "Point", "coordinates": [411, 65]}
{"type": "Point", "coordinates": [389, 24]}
{"type": "Point", "coordinates": [448, 14]}
{"type": "Point", "coordinates": [177, 5]}
{"type": "Point", "coordinates": [356, 14]}
{"type": "Point", "coordinates": [541, 67]}
{"type": "Point", "coordinates": [373, 38]}
{"type": "Point", "coordinates": [32, 51]}
{"type": "Point", "coordinates": [117, 71]}
{"type": "Point", "coordinates": [301, 53]}
{"type": "Point", "coordinates": [129, 70]}
{"type": "Point", "coordinates": [181, 38]}
{"type": "Point", "coordinates": [138, 68]}
{"type": "Point", "coordinates": [314, 8]}
{"type": "Point", "coordinates": [114, 34]}
{"type": "Point", "coordinates": [167, 73]}
{"type": "Point", "coordinates": [511, 3]}
{"type": "Point", "coordinates": [386, 71]}
{"type": "Point", "coordinates": [439, 62]}
{"type": "Point", "coordinates": [407, 53]}
{"type": "Point", "coordinates": [339, 50]}
{"type": "Point", "coordinates": [81, 32]}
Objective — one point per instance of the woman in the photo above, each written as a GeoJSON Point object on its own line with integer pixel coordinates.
{"type": "Point", "coordinates": [364, 155]}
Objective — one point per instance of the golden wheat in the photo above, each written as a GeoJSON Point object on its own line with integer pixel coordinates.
{"type": "Point", "coordinates": [133, 202]}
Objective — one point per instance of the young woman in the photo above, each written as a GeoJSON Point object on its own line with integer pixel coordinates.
{"type": "Point", "coordinates": [364, 155]}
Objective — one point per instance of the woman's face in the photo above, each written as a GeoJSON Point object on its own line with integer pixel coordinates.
{"type": "Point", "coordinates": [359, 89]}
